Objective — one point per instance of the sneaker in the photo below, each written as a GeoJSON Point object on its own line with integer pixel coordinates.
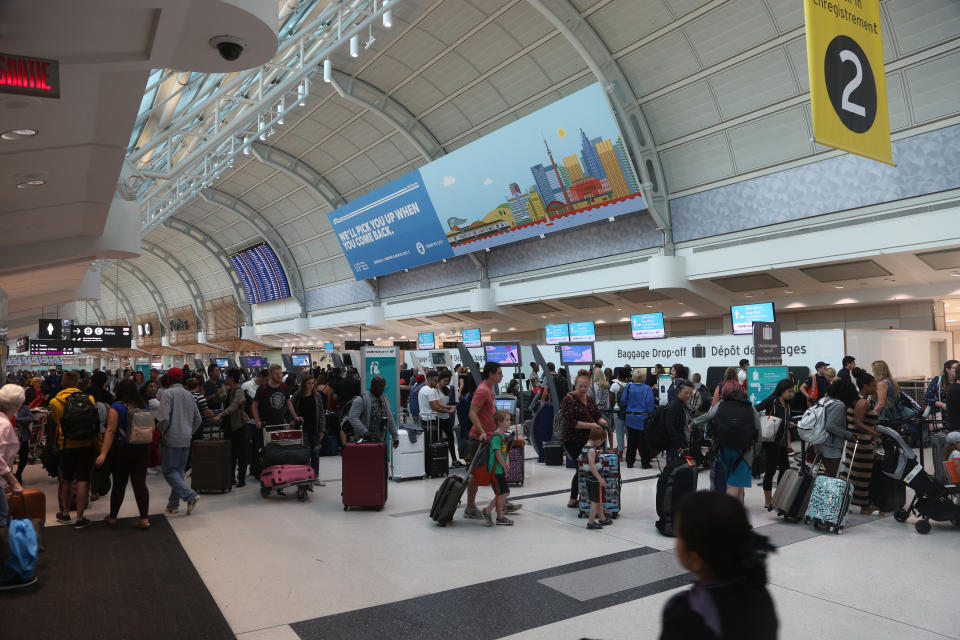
{"type": "Point", "coordinates": [594, 525]}
{"type": "Point", "coordinates": [488, 517]}
{"type": "Point", "coordinates": [16, 582]}
{"type": "Point", "coordinates": [192, 504]}
{"type": "Point", "coordinates": [63, 517]}
{"type": "Point", "coordinates": [82, 523]}
{"type": "Point", "coordinates": [171, 511]}
{"type": "Point", "coordinates": [505, 522]}
{"type": "Point", "coordinates": [241, 483]}
{"type": "Point", "coordinates": [646, 465]}
{"type": "Point", "coordinates": [512, 508]}
{"type": "Point", "coordinates": [457, 464]}
{"type": "Point", "coordinates": [473, 514]}
{"type": "Point", "coordinates": [607, 522]}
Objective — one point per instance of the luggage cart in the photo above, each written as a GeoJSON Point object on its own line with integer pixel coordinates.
{"type": "Point", "coordinates": [286, 435]}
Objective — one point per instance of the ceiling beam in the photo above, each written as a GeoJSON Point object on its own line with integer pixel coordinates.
{"type": "Point", "coordinates": [219, 252]}
{"type": "Point", "coordinates": [121, 299]}
{"type": "Point", "coordinates": [258, 222]}
{"type": "Point", "coordinates": [182, 271]}
{"type": "Point", "coordinates": [97, 310]}
{"type": "Point", "coordinates": [148, 284]}
{"type": "Point", "coordinates": [369, 97]}
{"type": "Point", "coordinates": [638, 138]}
{"type": "Point", "coordinates": [299, 171]}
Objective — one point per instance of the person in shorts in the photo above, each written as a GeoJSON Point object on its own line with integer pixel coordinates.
{"type": "Point", "coordinates": [597, 518]}
{"type": "Point", "coordinates": [76, 456]}
{"type": "Point", "coordinates": [498, 465]}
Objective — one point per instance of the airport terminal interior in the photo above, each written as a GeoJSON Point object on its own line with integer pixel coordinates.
{"type": "Point", "coordinates": [344, 220]}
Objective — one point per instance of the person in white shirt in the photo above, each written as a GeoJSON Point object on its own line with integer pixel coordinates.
{"type": "Point", "coordinates": [742, 373]}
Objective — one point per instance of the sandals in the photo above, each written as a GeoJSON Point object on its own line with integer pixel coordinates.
{"type": "Point", "coordinates": [142, 525]}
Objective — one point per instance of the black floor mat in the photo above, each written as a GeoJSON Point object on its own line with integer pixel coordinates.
{"type": "Point", "coordinates": [106, 582]}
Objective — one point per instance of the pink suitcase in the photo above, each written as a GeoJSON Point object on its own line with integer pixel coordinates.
{"type": "Point", "coordinates": [283, 474]}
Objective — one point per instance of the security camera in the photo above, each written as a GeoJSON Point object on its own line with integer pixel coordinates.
{"type": "Point", "coordinates": [230, 47]}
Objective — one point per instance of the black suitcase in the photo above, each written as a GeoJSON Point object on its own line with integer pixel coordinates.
{"type": "Point", "coordinates": [274, 454]}
{"type": "Point", "coordinates": [436, 464]}
{"type": "Point", "coordinates": [211, 466]}
{"type": "Point", "coordinates": [448, 496]}
{"type": "Point", "coordinates": [675, 482]}
{"type": "Point", "coordinates": [886, 493]}
{"type": "Point", "coordinates": [553, 453]}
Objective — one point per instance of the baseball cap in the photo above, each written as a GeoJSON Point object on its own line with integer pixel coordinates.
{"type": "Point", "coordinates": [821, 364]}
{"type": "Point", "coordinates": [953, 437]}
{"type": "Point", "coordinates": [176, 373]}
{"type": "Point", "coordinates": [420, 377]}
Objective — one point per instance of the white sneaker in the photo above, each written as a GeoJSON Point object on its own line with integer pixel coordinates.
{"type": "Point", "coordinates": [192, 504]}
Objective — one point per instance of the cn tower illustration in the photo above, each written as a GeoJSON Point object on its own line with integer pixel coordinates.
{"type": "Point", "coordinates": [563, 187]}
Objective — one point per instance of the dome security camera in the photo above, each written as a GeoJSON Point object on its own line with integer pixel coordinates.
{"type": "Point", "coordinates": [229, 47]}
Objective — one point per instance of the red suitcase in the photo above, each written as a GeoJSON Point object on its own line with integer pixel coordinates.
{"type": "Point", "coordinates": [282, 474]}
{"type": "Point", "coordinates": [364, 475]}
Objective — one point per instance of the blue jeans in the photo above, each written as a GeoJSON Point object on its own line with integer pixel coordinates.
{"type": "Point", "coordinates": [174, 466]}
{"type": "Point", "coordinates": [620, 425]}
{"type": "Point", "coordinates": [312, 439]}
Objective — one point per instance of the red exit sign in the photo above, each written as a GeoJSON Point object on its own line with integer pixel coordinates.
{"type": "Point", "coordinates": [29, 76]}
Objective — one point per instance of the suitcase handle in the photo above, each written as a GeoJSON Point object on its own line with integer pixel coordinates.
{"type": "Point", "coordinates": [853, 456]}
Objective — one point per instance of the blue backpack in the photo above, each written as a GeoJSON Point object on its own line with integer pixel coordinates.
{"type": "Point", "coordinates": [23, 548]}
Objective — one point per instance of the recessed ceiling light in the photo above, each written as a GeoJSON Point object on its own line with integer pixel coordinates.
{"type": "Point", "coordinates": [493, 330]}
{"type": "Point", "coordinates": [955, 274]}
{"type": "Point", "coordinates": [649, 306]}
{"type": "Point", "coordinates": [788, 290]}
{"type": "Point", "coordinates": [16, 134]}
{"type": "Point", "coordinates": [748, 295]}
{"type": "Point", "coordinates": [890, 279]}
{"type": "Point", "coordinates": [838, 286]}
{"type": "Point", "coordinates": [619, 309]}
{"type": "Point", "coordinates": [624, 320]}
{"type": "Point", "coordinates": [27, 184]}
{"type": "Point", "coordinates": [601, 321]}
{"type": "Point", "coordinates": [512, 329]}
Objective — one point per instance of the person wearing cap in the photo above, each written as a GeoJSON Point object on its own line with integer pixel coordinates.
{"type": "Point", "coordinates": [816, 387]}
{"type": "Point", "coordinates": [179, 419]}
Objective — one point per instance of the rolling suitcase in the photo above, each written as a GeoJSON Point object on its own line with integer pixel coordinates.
{"type": "Point", "coordinates": [830, 500]}
{"type": "Point", "coordinates": [674, 483]}
{"type": "Point", "coordinates": [608, 464]}
{"type": "Point", "coordinates": [886, 493]}
{"type": "Point", "coordinates": [793, 491]}
{"type": "Point", "coordinates": [515, 475]}
{"type": "Point", "coordinates": [553, 453]}
{"type": "Point", "coordinates": [211, 466]}
{"type": "Point", "coordinates": [543, 429]}
{"type": "Point", "coordinates": [407, 459]}
{"type": "Point", "coordinates": [448, 496]}
{"type": "Point", "coordinates": [435, 460]}
{"type": "Point", "coordinates": [938, 442]}
{"type": "Point", "coordinates": [364, 474]}
{"type": "Point", "coordinates": [284, 474]}
{"type": "Point", "coordinates": [32, 506]}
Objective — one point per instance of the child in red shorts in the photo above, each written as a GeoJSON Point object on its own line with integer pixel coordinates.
{"type": "Point", "coordinates": [497, 466]}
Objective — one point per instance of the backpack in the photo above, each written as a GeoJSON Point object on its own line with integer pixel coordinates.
{"type": "Point", "coordinates": [812, 427]}
{"type": "Point", "coordinates": [558, 422]}
{"type": "Point", "coordinates": [345, 425]}
{"type": "Point", "coordinates": [655, 433]}
{"type": "Point", "coordinates": [140, 427]}
{"type": "Point", "coordinates": [602, 398]}
{"type": "Point", "coordinates": [734, 425]}
{"type": "Point", "coordinates": [81, 419]}
{"type": "Point", "coordinates": [621, 405]}
{"type": "Point", "coordinates": [415, 399]}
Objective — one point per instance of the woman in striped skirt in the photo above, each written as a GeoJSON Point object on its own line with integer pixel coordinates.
{"type": "Point", "coordinates": [862, 421]}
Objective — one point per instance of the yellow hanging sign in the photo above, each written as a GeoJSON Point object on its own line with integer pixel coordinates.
{"type": "Point", "coordinates": [848, 91]}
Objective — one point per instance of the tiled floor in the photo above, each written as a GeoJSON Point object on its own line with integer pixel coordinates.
{"type": "Point", "coordinates": [272, 563]}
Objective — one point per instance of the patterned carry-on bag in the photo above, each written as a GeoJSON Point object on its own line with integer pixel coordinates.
{"type": "Point", "coordinates": [830, 500]}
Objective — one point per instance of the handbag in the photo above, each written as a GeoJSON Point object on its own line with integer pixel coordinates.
{"type": "Point", "coordinates": [769, 425]}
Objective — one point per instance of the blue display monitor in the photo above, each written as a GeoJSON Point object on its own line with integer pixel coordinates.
{"type": "Point", "coordinates": [644, 326]}
{"type": "Point", "coordinates": [328, 347]}
{"type": "Point", "coordinates": [576, 354]}
{"type": "Point", "coordinates": [471, 338]}
{"type": "Point", "coordinates": [426, 341]}
{"type": "Point", "coordinates": [506, 354]}
{"type": "Point", "coordinates": [223, 363]}
{"type": "Point", "coordinates": [254, 362]}
{"type": "Point", "coordinates": [558, 333]}
{"type": "Point", "coordinates": [744, 315]}
{"type": "Point", "coordinates": [582, 332]}
{"type": "Point", "coordinates": [301, 359]}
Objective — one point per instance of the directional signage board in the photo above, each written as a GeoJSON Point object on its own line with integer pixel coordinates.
{"type": "Point", "coordinates": [83, 335]}
{"type": "Point", "coordinates": [50, 348]}
{"type": "Point", "coordinates": [848, 94]}
{"type": "Point", "coordinates": [50, 329]}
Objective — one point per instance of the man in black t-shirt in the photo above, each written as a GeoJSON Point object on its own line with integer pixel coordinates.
{"type": "Point", "coordinates": [272, 401]}
{"type": "Point", "coordinates": [348, 388]}
{"type": "Point", "coordinates": [213, 388]}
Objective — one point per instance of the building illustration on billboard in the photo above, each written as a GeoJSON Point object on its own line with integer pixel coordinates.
{"type": "Point", "coordinates": [599, 173]}
{"type": "Point", "coordinates": [562, 166]}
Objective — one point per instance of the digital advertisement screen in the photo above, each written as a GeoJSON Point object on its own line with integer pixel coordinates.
{"type": "Point", "coordinates": [744, 315]}
{"type": "Point", "coordinates": [261, 273]}
{"type": "Point", "coordinates": [254, 362]}
{"type": "Point", "coordinates": [471, 338]}
{"type": "Point", "coordinates": [223, 363]}
{"type": "Point", "coordinates": [557, 333]}
{"type": "Point", "coordinates": [647, 325]}
{"type": "Point", "coordinates": [582, 332]}
{"type": "Point", "coordinates": [301, 359]}
{"type": "Point", "coordinates": [505, 354]}
{"type": "Point", "coordinates": [328, 347]}
{"type": "Point", "coordinates": [560, 167]}
{"type": "Point", "coordinates": [576, 354]}
{"type": "Point", "coordinates": [425, 341]}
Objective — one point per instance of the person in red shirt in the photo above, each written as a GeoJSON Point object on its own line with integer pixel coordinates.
{"type": "Point", "coordinates": [482, 408]}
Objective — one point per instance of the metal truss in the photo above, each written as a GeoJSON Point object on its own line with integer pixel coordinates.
{"type": "Point", "coordinates": [565, 17]}
{"type": "Point", "coordinates": [219, 252]}
{"type": "Point", "coordinates": [121, 298]}
{"type": "Point", "coordinates": [258, 222]}
{"type": "Point", "coordinates": [369, 97]}
{"type": "Point", "coordinates": [300, 171]}
{"type": "Point", "coordinates": [97, 310]}
{"type": "Point", "coordinates": [181, 270]}
{"type": "Point", "coordinates": [201, 142]}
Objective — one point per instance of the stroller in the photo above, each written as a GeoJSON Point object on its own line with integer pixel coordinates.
{"type": "Point", "coordinates": [931, 500]}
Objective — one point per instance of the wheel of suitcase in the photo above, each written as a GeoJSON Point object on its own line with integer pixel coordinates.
{"type": "Point", "coordinates": [615, 515]}
{"type": "Point", "coordinates": [955, 522]}
{"type": "Point", "coordinates": [807, 520]}
{"type": "Point", "coordinates": [816, 524]}
{"type": "Point", "coordinates": [264, 492]}
{"type": "Point", "coordinates": [579, 515]}
{"type": "Point", "coordinates": [302, 494]}
{"type": "Point", "coordinates": [900, 515]}
{"type": "Point", "coordinates": [839, 530]}
{"type": "Point", "coordinates": [922, 526]}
